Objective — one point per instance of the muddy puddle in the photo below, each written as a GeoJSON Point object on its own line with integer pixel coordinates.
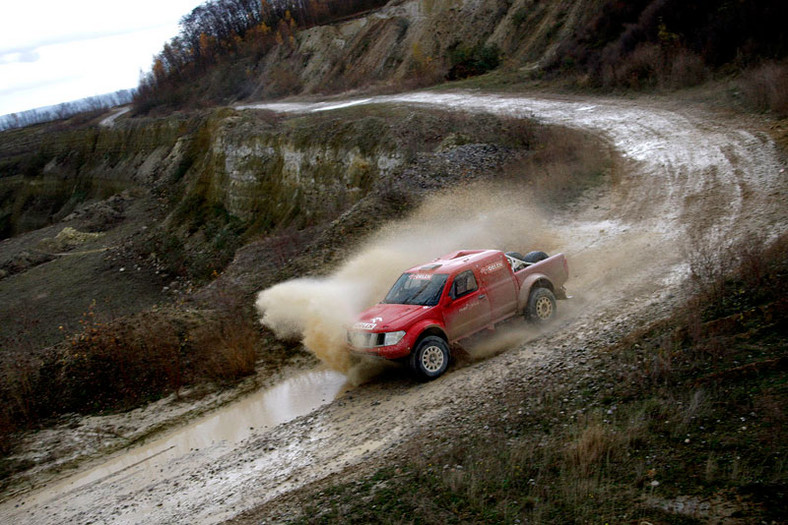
{"type": "Point", "coordinates": [213, 434]}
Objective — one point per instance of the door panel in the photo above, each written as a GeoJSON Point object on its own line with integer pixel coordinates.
{"type": "Point", "coordinates": [468, 309]}
{"type": "Point", "coordinates": [501, 288]}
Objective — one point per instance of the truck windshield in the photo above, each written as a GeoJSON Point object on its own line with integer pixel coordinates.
{"type": "Point", "coordinates": [417, 289]}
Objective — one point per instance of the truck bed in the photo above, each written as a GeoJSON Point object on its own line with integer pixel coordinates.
{"type": "Point", "coordinates": [554, 269]}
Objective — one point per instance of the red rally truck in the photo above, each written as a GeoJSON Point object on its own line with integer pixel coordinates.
{"type": "Point", "coordinates": [434, 305]}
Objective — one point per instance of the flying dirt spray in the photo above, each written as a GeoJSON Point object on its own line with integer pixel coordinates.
{"type": "Point", "coordinates": [317, 310]}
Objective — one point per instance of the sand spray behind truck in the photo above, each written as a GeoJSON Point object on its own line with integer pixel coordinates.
{"type": "Point", "coordinates": [317, 310]}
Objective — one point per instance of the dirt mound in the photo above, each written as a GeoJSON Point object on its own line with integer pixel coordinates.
{"type": "Point", "coordinates": [102, 215]}
{"type": "Point", "coordinates": [68, 239]}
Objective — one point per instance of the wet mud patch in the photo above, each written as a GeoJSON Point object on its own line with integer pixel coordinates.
{"type": "Point", "coordinates": [213, 434]}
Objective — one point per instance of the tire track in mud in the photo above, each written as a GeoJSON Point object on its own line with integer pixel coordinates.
{"type": "Point", "coordinates": [675, 156]}
{"type": "Point", "coordinates": [688, 175]}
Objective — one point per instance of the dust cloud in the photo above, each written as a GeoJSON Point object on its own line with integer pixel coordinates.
{"type": "Point", "coordinates": [509, 334]}
{"type": "Point", "coordinates": [317, 310]}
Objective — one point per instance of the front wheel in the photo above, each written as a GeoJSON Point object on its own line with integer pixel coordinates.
{"type": "Point", "coordinates": [541, 306]}
{"type": "Point", "coordinates": [430, 358]}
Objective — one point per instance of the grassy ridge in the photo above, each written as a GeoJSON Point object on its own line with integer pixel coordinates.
{"type": "Point", "coordinates": [683, 422]}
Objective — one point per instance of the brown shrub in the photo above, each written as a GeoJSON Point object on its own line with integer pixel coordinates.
{"type": "Point", "coordinates": [766, 87]}
{"type": "Point", "coordinates": [637, 70]}
{"type": "Point", "coordinates": [730, 278]}
{"type": "Point", "coordinates": [655, 66]}
{"type": "Point", "coordinates": [709, 265]}
{"type": "Point", "coordinates": [114, 365]}
{"type": "Point", "coordinates": [685, 69]}
{"type": "Point", "coordinates": [120, 364]}
{"type": "Point", "coordinates": [16, 397]}
{"type": "Point", "coordinates": [225, 350]}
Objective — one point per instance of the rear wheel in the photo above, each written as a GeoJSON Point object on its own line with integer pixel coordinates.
{"type": "Point", "coordinates": [541, 306]}
{"type": "Point", "coordinates": [430, 358]}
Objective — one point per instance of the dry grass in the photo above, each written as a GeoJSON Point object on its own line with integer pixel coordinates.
{"type": "Point", "coordinates": [595, 444]}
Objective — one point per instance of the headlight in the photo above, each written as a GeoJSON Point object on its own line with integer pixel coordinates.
{"type": "Point", "coordinates": [374, 340]}
{"type": "Point", "coordinates": [392, 338]}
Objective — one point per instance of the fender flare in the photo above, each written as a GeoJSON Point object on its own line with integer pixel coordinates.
{"type": "Point", "coordinates": [538, 280]}
{"type": "Point", "coordinates": [425, 327]}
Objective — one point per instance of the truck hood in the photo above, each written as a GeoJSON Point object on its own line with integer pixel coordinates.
{"type": "Point", "coordinates": [389, 317]}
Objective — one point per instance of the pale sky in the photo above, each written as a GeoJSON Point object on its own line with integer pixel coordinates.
{"type": "Point", "coordinates": [58, 51]}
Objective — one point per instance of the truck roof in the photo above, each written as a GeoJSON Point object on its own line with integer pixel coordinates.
{"type": "Point", "coordinates": [451, 262]}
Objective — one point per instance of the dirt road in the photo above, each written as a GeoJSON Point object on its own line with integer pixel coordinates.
{"type": "Point", "coordinates": [690, 177]}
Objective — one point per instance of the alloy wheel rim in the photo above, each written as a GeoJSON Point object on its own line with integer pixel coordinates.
{"type": "Point", "coordinates": [432, 359]}
{"type": "Point", "coordinates": [544, 308]}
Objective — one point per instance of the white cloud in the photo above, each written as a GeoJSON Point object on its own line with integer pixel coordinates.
{"type": "Point", "coordinates": [56, 51]}
{"type": "Point", "coordinates": [27, 55]}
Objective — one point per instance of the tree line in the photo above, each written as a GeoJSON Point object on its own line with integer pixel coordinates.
{"type": "Point", "coordinates": [222, 29]}
{"type": "Point", "coordinates": [65, 109]}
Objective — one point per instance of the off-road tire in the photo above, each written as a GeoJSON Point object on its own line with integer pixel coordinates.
{"type": "Point", "coordinates": [541, 306]}
{"type": "Point", "coordinates": [516, 255]}
{"type": "Point", "coordinates": [430, 358]}
{"type": "Point", "coordinates": [535, 257]}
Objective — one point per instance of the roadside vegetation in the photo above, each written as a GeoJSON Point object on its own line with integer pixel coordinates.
{"type": "Point", "coordinates": [669, 45]}
{"type": "Point", "coordinates": [682, 421]}
{"type": "Point", "coordinates": [124, 363]}
{"type": "Point", "coordinates": [765, 87]}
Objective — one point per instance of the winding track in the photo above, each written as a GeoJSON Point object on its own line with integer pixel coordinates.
{"type": "Point", "coordinates": [689, 175]}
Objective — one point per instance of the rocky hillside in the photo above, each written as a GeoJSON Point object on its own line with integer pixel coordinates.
{"type": "Point", "coordinates": [665, 44]}
{"type": "Point", "coordinates": [420, 43]}
{"type": "Point", "coordinates": [402, 44]}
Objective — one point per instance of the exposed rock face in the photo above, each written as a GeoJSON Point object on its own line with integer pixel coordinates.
{"type": "Point", "coordinates": [273, 175]}
{"type": "Point", "coordinates": [252, 172]}
{"type": "Point", "coordinates": [47, 173]}
{"type": "Point", "coordinates": [249, 168]}
{"type": "Point", "coordinates": [412, 41]}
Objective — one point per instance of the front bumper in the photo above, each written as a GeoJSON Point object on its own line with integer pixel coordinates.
{"type": "Point", "coordinates": [397, 351]}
